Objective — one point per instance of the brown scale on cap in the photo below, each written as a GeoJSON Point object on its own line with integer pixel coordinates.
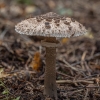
{"type": "Point", "coordinates": [49, 16]}
{"type": "Point", "coordinates": [38, 20]}
{"type": "Point", "coordinates": [70, 27]}
{"type": "Point", "coordinates": [80, 26]}
{"type": "Point", "coordinates": [73, 34]}
{"type": "Point", "coordinates": [57, 24]}
{"type": "Point", "coordinates": [67, 23]}
{"type": "Point", "coordinates": [49, 19]}
{"type": "Point", "coordinates": [72, 19]}
{"type": "Point", "coordinates": [28, 30]}
{"type": "Point", "coordinates": [57, 20]}
{"type": "Point", "coordinates": [47, 25]}
{"type": "Point", "coordinates": [43, 30]}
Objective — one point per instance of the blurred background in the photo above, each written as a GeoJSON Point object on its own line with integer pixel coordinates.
{"type": "Point", "coordinates": [86, 12]}
{"type": "Point", "coordinates": [22, 59]}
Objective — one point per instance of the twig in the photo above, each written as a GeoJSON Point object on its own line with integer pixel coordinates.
{"type": "Point", "coordinates": [86, 94]}
{"type": "Point", "coordinates": [68, 65]}
{"type": "Point", "coordinates": [87, 59]}
{"type": "Point", "coordinates": [82, 60]}
{"type": "Point", "coordinates": [73, 82]}
{"type": "Point", "coordinates": [83, 87]}
{"type": "Point", "coordinates": [73, 92]}
{"type": "Point", "coordinates": [64, 74]}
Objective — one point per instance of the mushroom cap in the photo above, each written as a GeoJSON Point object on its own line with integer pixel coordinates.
{"type": "Point", "coordinates": [50, 25]}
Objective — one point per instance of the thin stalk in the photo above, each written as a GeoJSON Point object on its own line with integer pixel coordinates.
{"type": "Point", "coordinates": [50, 88]}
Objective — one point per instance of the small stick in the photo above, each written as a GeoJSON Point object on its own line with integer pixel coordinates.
{"type": "Point", "coordinates": [79, 90]}
{"type": "Point", "coordinates": [82, 60]}
{"type": "Point", "coordinates": [68, 65]}
{"type": "Point", "coordinates": [65, 75]}
{"type": "Point", "coordinates": [87, 59]}
{"type": "Point", "coordinates": [72, 82]}
{"type": "Point", "coordinates": [86, 94]}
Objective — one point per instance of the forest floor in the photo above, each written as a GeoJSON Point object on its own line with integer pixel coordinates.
{"type": "Point", "coordinates": [78, 59]}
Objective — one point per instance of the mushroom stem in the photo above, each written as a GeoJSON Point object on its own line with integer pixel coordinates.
{"type": "Point", "coordinates": [50, 73]}
{"type": "Point", "coordinates": [50, 88]}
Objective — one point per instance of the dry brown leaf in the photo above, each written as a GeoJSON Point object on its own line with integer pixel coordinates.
{"type": "Point", "coordinates": [36, 62]}
{"type": "Point", "coordinates": [64, 40]}
{"type": "Point", "coordinates": [2, 74]}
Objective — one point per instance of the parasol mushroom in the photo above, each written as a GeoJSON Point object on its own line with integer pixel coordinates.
{"type": "Point", "coordinates": [51, 26]}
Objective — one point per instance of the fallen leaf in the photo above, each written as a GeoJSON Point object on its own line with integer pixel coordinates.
{"type": "Point", "coordinates": [64, 40]}
{"type": "Point", "coordinates": [2, 74]}
{"type": "Point", "coordinates": [36, 63]}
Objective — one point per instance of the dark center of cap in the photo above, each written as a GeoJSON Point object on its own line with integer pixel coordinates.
{"type": "Point", "coordinates": [47, 25]}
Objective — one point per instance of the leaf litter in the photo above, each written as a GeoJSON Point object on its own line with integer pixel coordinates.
{"type": "Point", "coordinates": [78, 59]}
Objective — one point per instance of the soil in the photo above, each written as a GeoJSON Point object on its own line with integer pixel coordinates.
{"type": "Point", "coordinates": [78, 59]}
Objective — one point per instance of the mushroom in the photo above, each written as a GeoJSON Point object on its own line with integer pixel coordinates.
{"type": "Point", "coordinates": [51, 26]}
